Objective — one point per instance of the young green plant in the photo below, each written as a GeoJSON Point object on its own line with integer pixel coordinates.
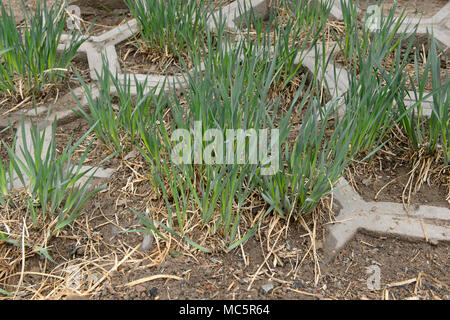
{"type": "Point", "coordinates": [170, 27]}
{"type": "Point", "coordinates": [55, 184]}
{"type": "Point", "coordinates": [115, 116]}
{"type": "Point", "coordinates": [29, 55]}
{"type": "Point", "coordinates": [436, 130]}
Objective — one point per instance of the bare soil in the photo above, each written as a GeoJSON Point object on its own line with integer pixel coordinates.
{"type": "Point", "coordinates": [389, 183]}
{"type": "Point", "coordinates": [18, 9]}
{"type": "Point", "coordinates": [98, 151]}
{"type": "Point", "coordinates": [134, 60]}
{"type": "Point", "coordinates": [409, 269]}
{"type": "Point", "coordinates": [388, 176]}
{"type": "Point", "coordinates": [104, 15]}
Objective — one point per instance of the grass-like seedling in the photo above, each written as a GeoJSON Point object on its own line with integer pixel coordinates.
{"type": "Point", "coordinates": [5, 175]}
{"type": "Point", "coordinates": [432, 132]}
{"type": "Point", "coordinates": [232, 88]}
{"type": "Point", "coordinates": [4, 73]}
{"type": "Point", "coordinates": [231, 91]}
{"type": "Point", "coordinates": [170, 27]}
{"type": "Point", "coordinates": [370, 104]}
{"type": "Point", "coordinates": [375, 101]}
{"type": "Point", "coordinates": [218, 192]}
{"type": "Point", "coordinates": [115, 117]}
{"type": "Point", "coordinates": [29, 56]}
{"type": "Point", "coordinates": [228, 92]}
{"type": "Point", "coordinates": [373, 89]}
{"type": "Point", "coordinates": [292, 29]}
{"type": "Point", "coordinates": [313, 166]}
{"type": "Point", "coordinates": [3, 182]}
{"type": "Point", "coordinates": [55, 184]}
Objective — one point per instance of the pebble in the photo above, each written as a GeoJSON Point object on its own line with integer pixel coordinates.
{"type": "Point", "coordinates": [214, 260]}
{"type": "Point", "coordinates": [434, 242]}
{"type": "Point", "coordinates": [153, 292]}
{"type": "Point", "coordinates": [80, 251]}
{"type": "Point", "coordinates": [267, 287]}
{"type": "Point", "coordinates": [139, 288]}
{"type": "Point", "coordinates": [133, 154]}
{"type": "Point", "coordinates": [147, 243]}
{"type": "Point", "coordinates": [297, 283]}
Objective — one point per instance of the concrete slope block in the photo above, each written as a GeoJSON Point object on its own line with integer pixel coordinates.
{"type": "Point", "coordinates": [425, 222]}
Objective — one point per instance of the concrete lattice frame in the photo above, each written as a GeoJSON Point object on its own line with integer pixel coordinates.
{"type": "Point", "coordinates": [425, 222]}
{"type": "Point", "coordinates": [439, 23]}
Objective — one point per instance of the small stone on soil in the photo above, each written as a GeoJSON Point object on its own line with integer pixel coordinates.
{"type": "Point", "coordinates": [147, 243]}
{"type": "Point", "coordinates": [140, 288]}
{"type": "Point", "coordinates": [367, 182]}
{"type": "Point", "coordinates": [297, 283]}
{"type": "Point", "coordinates": [132, 154]}
{"type": "Point", "coordinates": [434, 242]}
{"type": "Point", "coordinates": [153, 292]}
{"type": "Point", "coordinates": [214, 260]}
{"type": "Point", "coordinates": [267, 287]}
